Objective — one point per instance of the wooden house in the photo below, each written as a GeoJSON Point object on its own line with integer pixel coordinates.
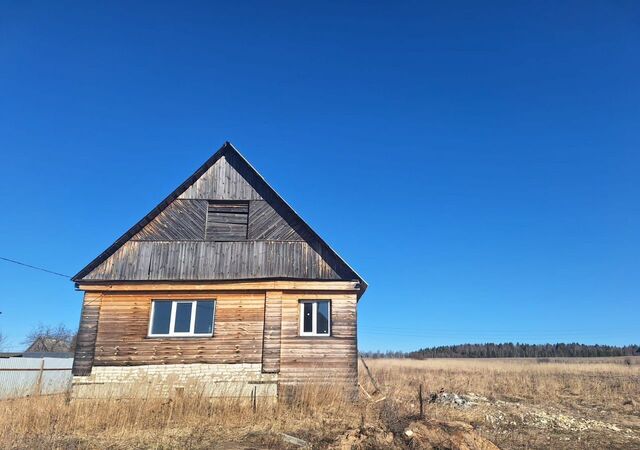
{"type": "Point", "coordinates": [223, 285]}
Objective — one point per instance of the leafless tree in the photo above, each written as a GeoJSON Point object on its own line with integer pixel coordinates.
{"type": "Point", "coordinates": [45, 338]}
{"type": "Point", "coordinates": [3, 340]}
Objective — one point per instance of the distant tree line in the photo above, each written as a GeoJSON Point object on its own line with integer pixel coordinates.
{"type": "Point", "coordinates": [511, 350]}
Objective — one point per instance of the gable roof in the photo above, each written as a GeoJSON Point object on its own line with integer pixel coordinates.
{"type": "Point", "coordinates": [43, 344]}
{"type": "Point", "coordinates": [262, 189]}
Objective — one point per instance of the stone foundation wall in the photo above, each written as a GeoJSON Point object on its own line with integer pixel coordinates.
{"type": "Point", "coordinates": [212, 380]}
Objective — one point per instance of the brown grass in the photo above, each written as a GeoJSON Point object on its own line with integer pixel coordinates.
{"type": "Point", "coordinates": [529, 404]}
{"type": "Point", "coordinates": [606, 382]}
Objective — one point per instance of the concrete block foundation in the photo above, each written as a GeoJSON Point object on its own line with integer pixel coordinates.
{"type": "Point", "coordinates": [209, 380]}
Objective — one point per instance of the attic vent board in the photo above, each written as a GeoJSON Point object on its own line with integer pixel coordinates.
{"type": "Point", "coordinates": [227, 221]}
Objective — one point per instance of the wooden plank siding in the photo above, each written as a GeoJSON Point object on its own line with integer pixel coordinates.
{"type": "Point", "coordinates": [192, 238]}
{"type": "Point", "coordinates": [265, 223]}
{"type": "Point", "coordinates": [181, 220]}
{"type": "Point", "coordinates": [272, 325]}
{"type": "Point", "coordinates": [223, 234]}
{"type": "Point", "coordinates": [163, 238]}
{"type": "Point", "coordinates": [87, 332]}
{"type": "Point", "coordinates": [249, 327]}
{"type": "Point", "coordinates": [192, 260]}
{"type": "Point", "coordinates": [223, 181]}
{"type": "Point", "coordinates": [227, 221]}
{"type": "Point", "coordinates": [319, 359]}
{"type": "Point", "coordinates": [189, 220]}
{"type": "Point", "coordinates": [124, 322]}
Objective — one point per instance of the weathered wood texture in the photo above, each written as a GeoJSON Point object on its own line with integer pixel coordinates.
{"type": "Point", "coordinates": [198, 237]}
{"type": "Point", "coordinates": [272, 325]}
{"type": "Point", "coordinates": [187, 220]}
{"type": "Point", "coordinates": [124, 321]}
{"type": "Point", "coordinates": [222, 181]}
{"type": "Point", "coordinates": [182, 220]}
{"type": "Point", "coordinates": [319, 359]}
{"type": "Point", "coordinates": [227, 221]}
{"type": "Point", "coordinates": [87, 332]}
{"type": "Point", "coordinates": [265, 223]}
{"type": "Point", "coordinates": [173, 244]}
{"type": "Point", "coordinates": [192, 260]}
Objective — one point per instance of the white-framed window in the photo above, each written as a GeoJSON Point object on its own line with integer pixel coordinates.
{"type": "Point", "coordinates": [182, 318]}
{"type": "Point", "coordinates": [315, 318]}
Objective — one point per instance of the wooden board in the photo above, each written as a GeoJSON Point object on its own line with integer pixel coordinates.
{"type": "Point", "coordinates": [272, 325]}
{"type": "Point", "coordinates": [168, 243]}
{"type": "Point", "coordinates": [182, 220]}
{"type": "Point", "coordinates": [267, 223]}
{"type": "Point", "coordinates": [124, 322]}
{"type": "Point", "coordinates": [222, 285]}
{"type": "Point", "coordinates": [227, 221]}
{"type": "Point", "coordinates": [223, 181]}
{"type": "Point", "coordinates": [87, 332]}
{"type": "Point", "coordinates": [319, 359]}
{"type": "Point", "coordinates": [249, 327]}
{"type": "Point", "coordinates": [192, 260]}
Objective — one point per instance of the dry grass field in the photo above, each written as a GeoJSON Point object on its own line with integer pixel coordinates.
{"type": "Point", "coordinates": [571, 403]}
{"type": "Point", "coordinates": [514, 403]}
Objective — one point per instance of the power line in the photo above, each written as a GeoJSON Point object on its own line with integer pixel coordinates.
{"type": "Point", "coordinates": [35, 267]}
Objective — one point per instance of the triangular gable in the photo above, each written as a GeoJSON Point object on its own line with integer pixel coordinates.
{"type": "Point", "coordinates": [278, 235]}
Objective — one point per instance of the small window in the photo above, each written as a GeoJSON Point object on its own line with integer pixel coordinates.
{"type": "Point", "coordinates": [315, 318]}
{"type": "Point", "coordinates": [182, 318]}
{"type": "Point", "coordinates": [227, 221]}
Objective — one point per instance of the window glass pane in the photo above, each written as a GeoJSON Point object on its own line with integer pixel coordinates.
{"type": "Point", "coordinates": [183, 318]}
{"type": "Point", "coordinates": [161, 317]}
{"type": "Point", "coordinates": [323, 318]}
{"type": "Point", "coordinates": [307, 317]}
{"type": "Point", "coordinates": [204, 317]}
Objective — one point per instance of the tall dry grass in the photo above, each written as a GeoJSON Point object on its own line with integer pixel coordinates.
{"type": "Point", "coordinates": [320, 414]}
{"type": "Point", "coordinates": [606, 383]}
{"type": "Point", "coordinates": [189, 420]}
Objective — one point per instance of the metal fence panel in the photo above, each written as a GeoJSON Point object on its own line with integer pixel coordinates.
{"type": "Point", "coordinates": [21, 377]}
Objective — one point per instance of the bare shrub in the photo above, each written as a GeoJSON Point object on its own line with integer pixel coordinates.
{"type": "Point", "coordinates": [46, 338]}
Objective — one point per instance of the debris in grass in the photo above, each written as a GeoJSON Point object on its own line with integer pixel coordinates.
{"type": "Point", "coordinates": [459, 401]}
{"type": "Point", "coordinates": [294, 440]}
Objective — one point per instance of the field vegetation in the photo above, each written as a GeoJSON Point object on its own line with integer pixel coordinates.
{"type": "Point", "coordinates": [469, 403]}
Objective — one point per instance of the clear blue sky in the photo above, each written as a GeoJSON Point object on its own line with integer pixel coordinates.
{"type": "Point", "coordinates": [477, 162]}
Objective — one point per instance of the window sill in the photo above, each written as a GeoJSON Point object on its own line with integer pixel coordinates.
{"type": "Point", "coordinates": [314, 337]}
{"type": "Point", "coordinates": [208, 336]}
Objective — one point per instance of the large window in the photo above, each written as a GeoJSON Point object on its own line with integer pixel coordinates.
{"type": "Point", "coordinates": [315, 318]}
{"type": "Point", "coordinates": [182, 318]}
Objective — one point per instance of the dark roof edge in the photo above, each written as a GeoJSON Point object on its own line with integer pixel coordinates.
{"type": "Point", "coordinates": [152, 214]}
{"type": "Point", "coordinates": [97, 281]}
{"type": "Point", "coordinates": [177, 192]}
{"type": "Point", "coordinates": [322, 241]}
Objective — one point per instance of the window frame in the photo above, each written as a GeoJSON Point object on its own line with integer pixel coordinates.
{"type": "Point", "coordinates": [172, 318]}
{"type": "Point", "coordinates": [314, 318]}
